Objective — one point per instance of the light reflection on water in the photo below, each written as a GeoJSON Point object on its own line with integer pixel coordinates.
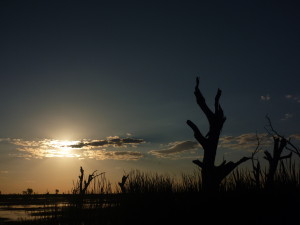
{"type": "Point", "coordinates": [18, 212]}
{"type": "Point", "coordinates": [13, 214]}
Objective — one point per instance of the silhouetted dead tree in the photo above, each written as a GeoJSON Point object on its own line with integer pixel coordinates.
{"type": "Point", "coordinates": [280, 143]}
{"type": "Point", "coordinates": [211, 175]}
{"type": "Point", "coordinates": [84, 184]}
{"type": "Point", "coordinates": [289, 145]}
{"type": "Point", "coordinates": [122, 184]}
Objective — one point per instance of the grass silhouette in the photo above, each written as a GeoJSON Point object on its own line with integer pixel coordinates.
{"type": "Point", "coordinates": [153, 198]}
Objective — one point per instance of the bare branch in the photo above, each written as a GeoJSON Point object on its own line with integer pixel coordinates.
{"type": "Point", "coordinates": [271, 128]}
{"type": "Point", "coordinates": [217, 101]}
{"type": "Point", "coordinates": [197, 133]}
{"type": "Point", "coordinates": [294, 149]}
{"type": "Point", "coordinates": [257, 146]}
{"type": "Point", "coordinates": [223, 163]}
{"type": "Point", "coordinates": [225, 169]}
{"type": "Point", "coordinates": [198, 163]}
{"type": "Point", "coordinates": [268, 156]}
{"type": "Point", "coordinates": [244, 159]}
{"type": "Point", "coordinates": [202, 103]}
{"type": "Point", "coordinates": [286, 157]}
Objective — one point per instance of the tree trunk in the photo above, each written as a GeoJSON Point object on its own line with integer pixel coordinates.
{"type": "Point", "coordinates": [279, 145]}
{"type": "Point", "coordinates": [211, 175]}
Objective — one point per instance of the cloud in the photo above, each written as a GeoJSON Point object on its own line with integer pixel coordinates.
{"type": "Point", "coordinates": [110, 141]}
{"type": "Point", "coordinates": [243, 142]}
{"type": "Point", "coordinates": [265, 97]}
{"type": "Point", "coordinates": [293, 98]}
{"type": "Point", "coordinates": [116, 155]}
{"type": "Point", "coordinates": [246, 142]}
{"type": "Point", "coordinates": [5, 140]}
{"type": "Point", "coordinates": [287, 116]}
{"type": "Point", "coordinates": [49, 148]}
{"type": "Point", "coordinates": [295, 137]}
{"type": "Point", "coordinates": [175, 148]}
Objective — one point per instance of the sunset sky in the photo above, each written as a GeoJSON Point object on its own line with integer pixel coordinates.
{"type": "Point", "coordinates": [108, 85]}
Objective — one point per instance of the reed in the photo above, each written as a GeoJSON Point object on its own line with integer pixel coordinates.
{"type": "Point", "coordinates": [162, 194]}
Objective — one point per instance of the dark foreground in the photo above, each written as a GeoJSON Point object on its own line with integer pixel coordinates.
{"type": "Point", "coordinates": [163, 208]}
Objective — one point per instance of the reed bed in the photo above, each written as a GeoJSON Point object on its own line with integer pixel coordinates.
{"type": "Point", "coordinates": [287, 177]}
{"type": "Point", "coordinates": [162, 195]}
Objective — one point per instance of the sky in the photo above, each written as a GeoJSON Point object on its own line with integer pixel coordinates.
{"type": "Point", "coordinates": [108, 85]}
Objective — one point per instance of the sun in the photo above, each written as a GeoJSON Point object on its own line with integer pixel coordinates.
{"type": "Point", "coordinates": [62, 148]}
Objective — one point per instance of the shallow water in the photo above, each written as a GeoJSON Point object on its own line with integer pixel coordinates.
{"type": "Point", "coordinates": [13, 214]}
{"type": "Point", "coordinates": [18, 212]}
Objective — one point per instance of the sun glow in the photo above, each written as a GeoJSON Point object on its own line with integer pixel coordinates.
{"type": "Point", "coordinates": [62, 148]}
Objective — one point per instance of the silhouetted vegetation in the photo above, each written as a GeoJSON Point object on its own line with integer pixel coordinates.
{"type": "Point", "coordinates": [82, 184]}
{"type": "Point", "coordinates": [171, 199]}
{"type": "Point", "coordinates": [29, 191]}
{"type": "Point", "coordinates": [122, 183]}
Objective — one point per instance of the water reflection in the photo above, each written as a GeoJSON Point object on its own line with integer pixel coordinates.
{"type": "Point", "coordinates": [12, 214]}
{"type": "Point", "coordinates": [25, 212]}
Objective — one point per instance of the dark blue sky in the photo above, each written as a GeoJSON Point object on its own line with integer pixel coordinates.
{"type": "Point", "coordinates": [116, 64]}
{"type": "Point", "coordinates": [94, 69]}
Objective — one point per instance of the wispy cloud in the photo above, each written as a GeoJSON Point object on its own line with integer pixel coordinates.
{"type": "Point", "coordinates": [116, 155]}
{"type": "Point", "coordinates": [265, 97]}
{"type": "Point", "coordinates": [49, 148]}
{"type": "Point", "coordinates": [175, 148]}
{"type": "Point", "coordinates": [293, 98]}
{"type": "Point", "coordinates": [245, 142]}
{"type": "Point", "coordinates": [295, 137]}
{"type": "Point", "coordinates": [287, 116]}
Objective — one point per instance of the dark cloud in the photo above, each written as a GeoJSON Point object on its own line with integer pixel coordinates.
{"type": "Point", "coordinates": [110, 141]}
{"type": "Point", "coordinates": [132, 140]}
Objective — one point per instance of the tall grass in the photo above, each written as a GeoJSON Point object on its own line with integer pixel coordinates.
{"type": "Point", "coordinates": [240, 180]}
{"type": "Point", "coordinates": [149, 182]}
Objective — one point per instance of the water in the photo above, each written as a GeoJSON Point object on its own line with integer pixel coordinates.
{"type": "Point", "coordinates": [19, 207]}
{"type": "Point", "coordinates": [13, 214]}
{"type": "Point", "coordinates": [25, 212]}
